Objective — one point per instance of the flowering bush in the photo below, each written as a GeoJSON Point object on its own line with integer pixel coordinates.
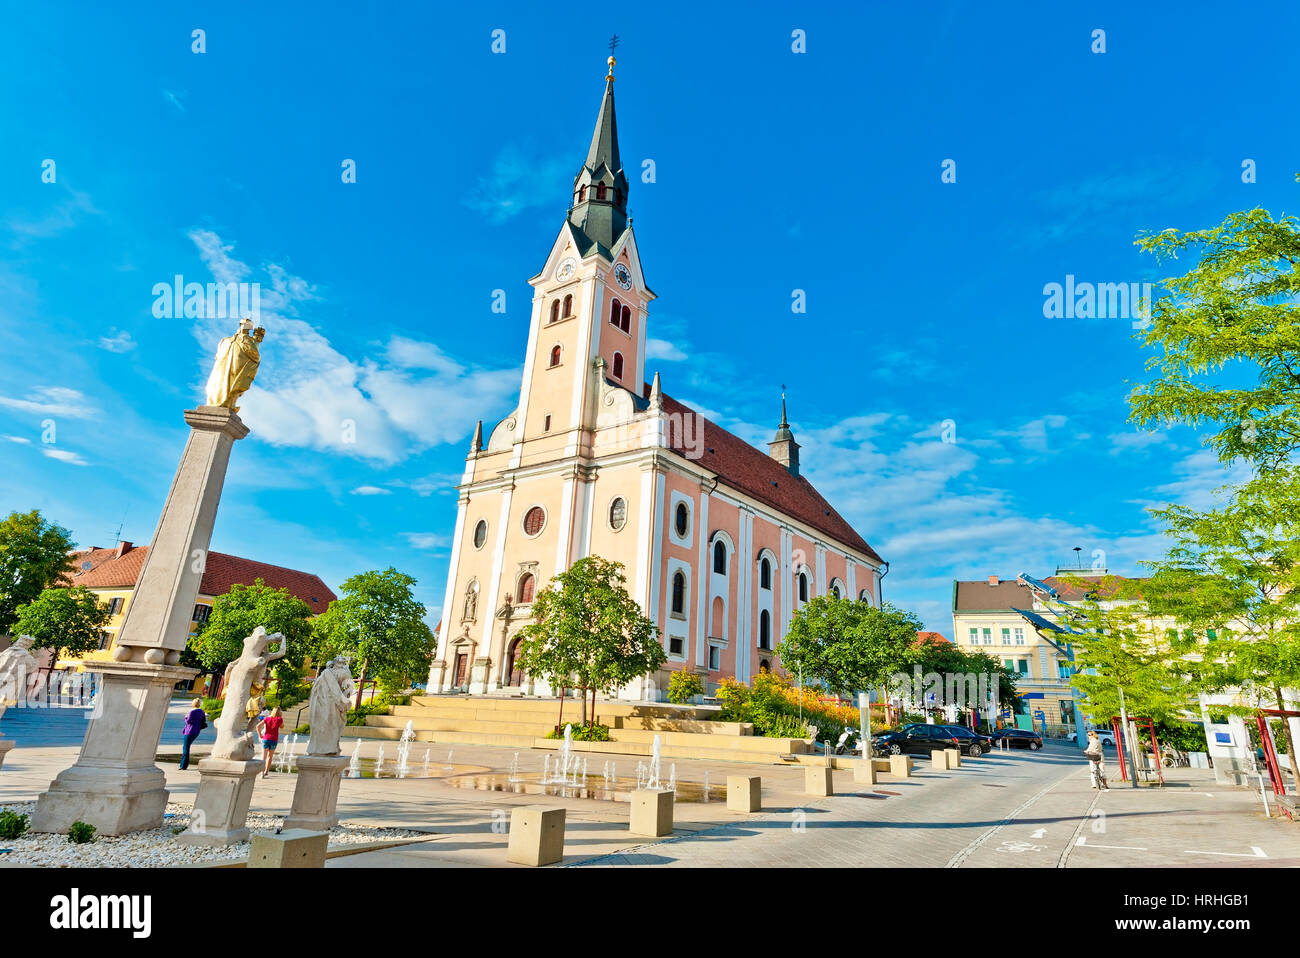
{"type": "Point", "coordinates": [773, 706]}
{"type": "Point", "coordinates": [683, 686]}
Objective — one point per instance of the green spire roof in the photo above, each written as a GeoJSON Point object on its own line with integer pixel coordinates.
{"type": "Point", "coordinates": [599, 210]}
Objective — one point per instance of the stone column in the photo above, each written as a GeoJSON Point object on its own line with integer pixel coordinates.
{"type": "Point", "coordinates": [316, 793]}
{"type": "Point", "coordinates": [115, 784]}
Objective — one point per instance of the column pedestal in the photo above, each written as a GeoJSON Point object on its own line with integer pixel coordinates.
{"type": "Point", "coordinates": [316, 794]}
{"type": "Point", "coordinates": [220, 815]}
{"type": "Point", "coordinates": [115, 784]}
{"type": "Point", "coordinates": [437, 675]}
{"type": "Point", "coordinates": [478, 676]}
{"type": "Point", "coordinates": [5, 745]}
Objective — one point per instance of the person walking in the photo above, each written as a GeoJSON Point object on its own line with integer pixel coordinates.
{"type": "Point", "coordinates": [195, 722]}
{"type": "Point", "coordinates": [269, 729]}
{"type": "Point", "coordinates": [1096, 760]}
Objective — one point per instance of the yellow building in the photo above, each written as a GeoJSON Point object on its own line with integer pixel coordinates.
{"type": "Point", "coordinates": [111, 574]}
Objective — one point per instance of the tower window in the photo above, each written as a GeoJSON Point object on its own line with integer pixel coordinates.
{"type": "Point", "coordinates": [480, 534]}
{"type": "Point", "coordinates": [600, 191]}
{"type": "Point", "coordinates": [555, 311]}
{"type": "Point", "coordinates": [555, 356]}
{"type": "Point", "coordinates": [765, 629]}
{"type": "Point", "coordinates": [618, 513]}
{"type": "Point", "coordinates": [568, 305]}
{"type": "Point", "coordinates": [720, 557]}
{"type": "Point", "coordinates": [534, 520]}
{"type": "Point", "coordinates": [614, 312]}
{"type": "Point", "coordinates": [582, 194]}
{"type": "Point", "coordinates": [764, 574]}
{"type": "Point", "coordinates": [546, 424]}
{"type": "Point", "coordinates": [679, 594]}
{"type": "Point", "coordinates": [803, 587]}
{"type": "Point", "coordinates": [618, 365]}
{"type": "Point", "coordinates": [526, 586]}
{"type": "Point", "coordinates": [682, 520]}
{"type": "Point", "coordinates": [626, 320]}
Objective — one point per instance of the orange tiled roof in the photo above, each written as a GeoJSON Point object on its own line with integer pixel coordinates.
{"type": "Point", "coordinates": [109, 570]}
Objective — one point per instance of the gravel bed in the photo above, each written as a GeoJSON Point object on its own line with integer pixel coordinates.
{"type": "Point", "coordinates": [156, 848]}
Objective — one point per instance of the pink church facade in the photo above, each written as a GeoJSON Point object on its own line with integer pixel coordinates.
{"type": "Point", "coordinates": [721, 542]}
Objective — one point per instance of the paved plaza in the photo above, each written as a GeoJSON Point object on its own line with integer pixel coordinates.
{"type": "Point", "coordinates": [1012, 809]}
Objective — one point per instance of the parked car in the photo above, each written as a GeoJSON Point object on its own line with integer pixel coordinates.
{"type": "Point", "coordinates": [973, 743]}
{"type": "Point", "coordinates": [915, 738]}
{"type": "Point", "coordinates": [1106, 735]}
{"type": "Point", "coordinates": [1018, 738]}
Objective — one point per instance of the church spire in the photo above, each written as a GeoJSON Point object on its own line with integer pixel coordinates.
{"type": "Point", "coordinates": [783, 448]}
{"type": "Point", "coordinates": [599, 207]}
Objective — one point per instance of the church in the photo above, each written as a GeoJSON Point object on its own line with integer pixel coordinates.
{"type": "Point", "coordinates": [722, 542]}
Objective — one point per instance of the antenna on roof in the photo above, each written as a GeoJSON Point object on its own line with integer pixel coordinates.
{"type": "Point", "coordinates": [117, 536]}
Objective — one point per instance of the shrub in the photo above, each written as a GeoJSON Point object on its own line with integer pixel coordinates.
{"type": "Point", "coordinates": [683, 686]}
{"type": "Point", "coordinates": [773, 706]}
{"type": "Point", "coordinates": [304, 729]}
{"type": "Point", "coordinates": [358, 716]}
{"type": "Point", "coordinates": [213, 708]}
{"type": "Point", "coordinates": [13, 825]}
{"type": "Point", "coordinates": [81, 833]}
{"type": "Point", "coordinates": [591, 732]}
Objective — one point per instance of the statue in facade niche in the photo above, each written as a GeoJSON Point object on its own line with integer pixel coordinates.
{"type": "Point", "coordinates": [235, 728]}
{"type": "Point", "coordinates": [238, 357]}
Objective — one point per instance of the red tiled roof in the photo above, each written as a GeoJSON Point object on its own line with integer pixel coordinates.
{"type": "Point", "coordinates": [755, 473]}
{"type": "Point", "coordinates": [932, 638]}
{"type": "Point", "coordinates": [109, 571]}
{"type": "Point", "coordinates": [979, 596]}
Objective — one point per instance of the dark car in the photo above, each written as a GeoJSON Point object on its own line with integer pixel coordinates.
{"type": "Point", "coordinates": [973, 743]}
{"type": "Point", "coordinates": [1018, 738]}
{"type": "Point", "coordinates": [915, 738]}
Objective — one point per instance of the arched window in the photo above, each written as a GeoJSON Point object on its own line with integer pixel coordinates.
{"type": "Point", "coordinates": [600, 191]}
{"type": "Point", "coordinates": [526, 586]}
{"type": "Point", "coordinates": [763, 666]}
{"type": "Point", "coordinates": [555, 311]}
{"type": "Point", "coordinates": [719, 628]}
{"type": "Point", "coordinates": [836, 590]}
{"type": "Point", "coordinates": [765, 629]}
{"type": "Point", "coordinates": [679, 593]}
{"type": "Point", "coordinates": [682, 520]}
{"type": "Point", "coordinates": [864, 596]}
{"type": "Point", "coordinates": [625, 322]}
{"type": "Point", "coordinates": [720, 557]}
{"type": "Point", "coordinates": [618, 365]}
{"type": "Point", "coordinates": [582, 194]}
{"type": "Point", "coordinates": [764, 573]}
{"type": "Point", "coordinates": [803, 587]}
{"type": "Point", "coordinates": [555, 356]}
{"type": "Point", "coordinates": [568, 305]}
{"type": "Point", "coordinates": [614, 310]}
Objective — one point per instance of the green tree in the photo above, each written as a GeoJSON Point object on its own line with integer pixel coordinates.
{"type": "Point", "coordinates": [69, 621]}
{"type": "Point", "coordinates": [849, 644]}
{"type": "Point", "coordinates": [379, 623]}
{"type": "Point", "coordinates": [588, 633]}
{"type": "Point", "coordinates": [236, 614]}
{"type": "Point", "coordinates": [34, 556]}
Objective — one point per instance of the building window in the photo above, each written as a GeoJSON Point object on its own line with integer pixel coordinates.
{"type": "Point", "coordinates": [715, 658]}
{"type": "Point", "coordinates": [526, 586]}
{"type": "Point", "coordinates": [534, 520]}
{"type": "Point", "coordinates": [682, 520]}
{"type": "Point", "coordinates": [679, 595]}
{"type": "Point", "coordinates": [555, 311]}
{"type": "Point", "coordinates": [555, 356]}
{"type": "Point", "coordinates": [618, 365]}
{"type": "Point", "coordinates": [626, 323]}
{"type": "Point", "coordinates": [803, 587]}
{"type": "Point", "coordinates": [836, 589]}
{"type": "Point", "coordinates": [765, 629]}
{"type": "Point", "coordinates": [614, 309]}
{"type": "Point", "coordinates": [720, 558]}
{"type": "Point", "coordinates": [719, 616]}
{"type": "Point", "coordinates": [201, 613]}
{"type": "Point", "coordinates": [568, 306]}
{"type": "Point", "coordinates": [1022, 667]}
{"type": "Point", "coordinates": [974, 637]}
{"type": "Point", "coordinates": [115, 606]}
{"type": "Point", "coordinates": [582, 194]}
{"type": "Point", "coordinates": [1062, 669]}
{"type": "Point", "coordinates": [546, 424]}
{"type": "Point", "coordinates": [764, 574]}
{"type": "Point", "coordinates": [618, 513]}
{"type": "Point", "coordinates": [864, 596]}
{"type": "Point", "coordinates": [480, 534]}
{"type": "Point", "coordinates": [600, 191]}
{"type": "Point", "coordinates": [988, 636]}
{"type": "Point", "coordinates": [1006, 636]}
{"type": "Point", "coordinates": [675, 645]}
{"type": "Point", "coordinates": [1020, 636]}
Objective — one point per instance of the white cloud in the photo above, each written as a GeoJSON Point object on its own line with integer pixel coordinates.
{"type": "Point", "coordinates": [119, 342]}
{"type": "Point", "coordinates": [663, 349]}
{"type": "Point", "coordinates": [427, 540]}
{"type": "Point", "coordinates": [371, 491]}
{"type": "Point", "coordinates": [517, 182]}
{"type": "Point", "coordinates": [52, 401]}
{"type": "Point", "coordinates": [1123, 442]}
{"type": "Point", "coordinates": [63, 216]}
{"type": "Point", "coordinates": [63, 455]}
{"type": "Point", "coordinates": [407, 397]}
{"type": "Point", "coordinates": [21, 439]}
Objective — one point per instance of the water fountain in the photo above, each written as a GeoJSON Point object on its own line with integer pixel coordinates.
{"type": "Point", "coordinates": [514, 769]}
{"type": "Point", "coordinates": [640, 775]}
{"type": "Point", "coordinates": [613, 773]}
{"type": "Point", "coordinates": [656, 753]}
{"type": "Point", "coordinates": [450, 753]}
{"type": "Point", "coordinates": [404, 749]}
{"type": "Point", "coordinates": [546, 768]}
{"type": "Point", "coordinates": [354, 766]}
{"type": "Point", "coordinates": [379, 762]}
{"type": "Point", "coordinates": [706, 784]}
{"type": "Point", "coordinates": [672, 777]}
{"type": "Point", "coordinates": [426, 761]}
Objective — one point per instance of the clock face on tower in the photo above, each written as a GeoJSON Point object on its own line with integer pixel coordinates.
{"type": "Point", "coordinates": [566, 268]}
{"type": "Point", "coordinates": [623, 276]}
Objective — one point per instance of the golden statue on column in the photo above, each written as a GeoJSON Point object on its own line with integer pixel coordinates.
{"type": "Point", "coordinates": [238, 357]}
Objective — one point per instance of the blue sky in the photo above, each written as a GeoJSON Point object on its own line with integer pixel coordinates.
{"type": "Point", "coordinates": [817, 171]}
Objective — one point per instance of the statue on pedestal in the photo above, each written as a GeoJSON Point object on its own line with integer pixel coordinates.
{"type": "Point", "coordinates": [245, 679]}
{"type": "Point", "coordinates": [238, 357]}
{"type": "Point", "coordinates": [17, 665]}
{"type": "Point", "coordinates": [331, 695]}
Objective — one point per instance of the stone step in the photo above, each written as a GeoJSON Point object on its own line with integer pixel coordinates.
{"type": "Point", "coordinates": [441, 737]}
{"type": "Point", "coordinates": [741, 743]}
{"type": "Point", "coordinates": [438, 723]}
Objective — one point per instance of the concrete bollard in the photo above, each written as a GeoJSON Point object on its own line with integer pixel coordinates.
{"type": "Point", "coordinates": [900, 766]}
{"type": "Point", "coordinates": [939, 758]}
{"type": "Point", "coordinates": [865, 773]}
{"type": "Point", "coordinates": [744, 793]}
{"type": "Point", "coordinates": [536, 835]}
{"type": "Point", "coordinates": [652, 812]}
{"type": "Point", "coordinates": [817, 780]}
{"type": "Point", "coordinates": [954, 757]}
{"type": "Point", "coordinates": [292, 848]}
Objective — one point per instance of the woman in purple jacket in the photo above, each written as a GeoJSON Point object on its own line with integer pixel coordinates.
{"type": "Point", "coordinates": [195, 722]}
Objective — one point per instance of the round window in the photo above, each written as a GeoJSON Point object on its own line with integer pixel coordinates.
{"type": "Point", "coordinates": [683, 520]}
{"type": "Point", "coordinates": [534, 519]}
{"type": "Point", "coordinates": [480, 534]}
{"type": "Point", "coordinates": [618, 513]}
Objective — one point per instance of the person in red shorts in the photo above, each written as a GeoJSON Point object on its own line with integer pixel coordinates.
{"type": "Point", "coordinates": [269, 729]}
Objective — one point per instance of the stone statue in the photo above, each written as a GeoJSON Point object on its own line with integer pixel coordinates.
{"type": "Point", "coordinates": [245, 679]}
{"type": "Point", "coordinates": [17, 666]}
{"type": "Point", "coordinates": [237, 360]}
{"type": "Point", "coordinates": [330, 697]}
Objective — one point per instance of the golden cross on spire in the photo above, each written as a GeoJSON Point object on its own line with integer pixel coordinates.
{"type": "Point", "coordinates": [613, 42]}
